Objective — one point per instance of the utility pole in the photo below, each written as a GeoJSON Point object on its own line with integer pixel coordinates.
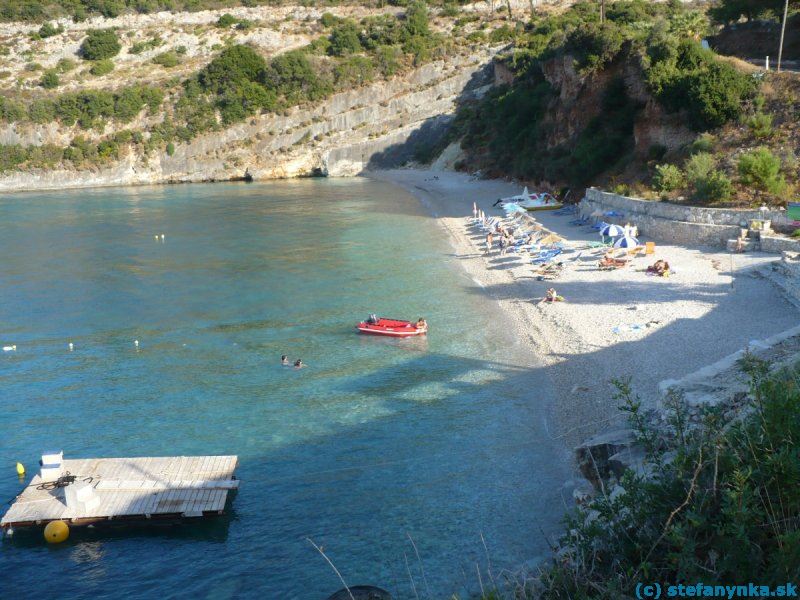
{"type": "Point", "coordinates": [783, 31]}
{"type": "Point", "coordinates": [508, 5]}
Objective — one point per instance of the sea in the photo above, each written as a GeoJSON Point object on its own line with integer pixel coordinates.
{"type": "Point", "coordinates": [423, 466]}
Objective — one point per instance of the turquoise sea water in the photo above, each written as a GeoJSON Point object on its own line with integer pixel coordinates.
{"type": "Point", "coordinates": [441, 440]}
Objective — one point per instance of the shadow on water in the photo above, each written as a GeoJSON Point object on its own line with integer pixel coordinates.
{"type": "Point", "coordinates": [389, 463]}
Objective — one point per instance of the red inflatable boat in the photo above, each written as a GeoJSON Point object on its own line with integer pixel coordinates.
{"type": "Point", "coordinates": [391, 327]}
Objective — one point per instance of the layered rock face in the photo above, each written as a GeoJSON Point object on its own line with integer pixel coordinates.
{"type": "Point", "coordinates": [377, 125]}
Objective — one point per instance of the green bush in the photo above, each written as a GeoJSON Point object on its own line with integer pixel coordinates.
{"type": "Point", "coordinates": [668, 178]}
{"type": "Point", "coordinates": [723, 509]}
{"type": "Point", "coordinates": [102, 67]}
{"type": "Point", "coordinates": [595, 45]}
{"type": "Point", "coordinates": [710, 184]}
{"type": "Point", "coordinates": [344, 39]}
{"type": "Point", "coordinates": [704, 143]}
{"type": "Point", "coordinates": [170, 149]}
{"type": "Point", "coordinates": [700, 165]}
{"type": "Point", "coordinates": [292, 76]}
{"type": "Point", "coordinates": [100, 44]}
{"type": "Point", "coordinates": [65, 65]}
{"type": "Point", "coordinates": [328, 20]}
{"type": "Point", "coordinates": [166, 59]}
{"type": "Point", "coordinates": [11, 110]}
{"type": "Point", "coordinates": [49, 80]}
{"type": "Point", "coordinates": [761, 169]}
{"type": "Point", "coordinates": [41, 111]}
{"type": "Point", "coordinates": [689, 78]}
{"type": "Point", "coordinates": [353, 71]}
{"type": "Point", "coordinates": [48, 30]}
{"type": "Point", "coordinates": [226, 20]}
{"type": "Point", "coordinates": [388, 59]}
{"type": "Point", "coordinates": [233, 65]}
{"type": "Point", "coordinates": [761, 125]}
{"type": "Point", "coordinates": [12, 156]}
{"type": "Point", "coordinates": [715, 187]}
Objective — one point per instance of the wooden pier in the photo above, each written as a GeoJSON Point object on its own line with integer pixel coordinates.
{"type": "Point", "coordinates": [96, 490]}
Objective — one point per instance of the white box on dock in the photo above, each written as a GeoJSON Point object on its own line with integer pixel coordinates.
{"type": "Point", "coordinates": [80, 497]}
{"type": "Point", "coordinates": [52, 465]}
{"type": "Point", "coordinates": [53, 458]}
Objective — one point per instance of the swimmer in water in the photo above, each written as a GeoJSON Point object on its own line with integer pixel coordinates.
{"type": "Point", "coordinates": [284, 360]}
{"type": "Point", "coordinates": [298, 364]}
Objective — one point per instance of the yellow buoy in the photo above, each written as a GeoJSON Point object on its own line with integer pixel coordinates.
{"type": "Point", "coordinates": [56, 532]}
{"type": "Point", "coordinates": [20, 469]}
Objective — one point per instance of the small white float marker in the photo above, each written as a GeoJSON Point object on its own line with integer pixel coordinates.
{"type": "Point", "coordinates": [71, 347]}
{"type": "Point", "coordinates": [136, 344]}
{"type": "Point", "coordinates": [162, 237]}
{"type": "Point", "coordinates": [155, 237]}
{"type": "Point", "coordinates": [10, 348]}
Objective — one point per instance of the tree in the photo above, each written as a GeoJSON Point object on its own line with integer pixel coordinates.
{"type": "Point", "coordinates": [344, 39]}
{"type": "Point", "coordinates": [100, 44]}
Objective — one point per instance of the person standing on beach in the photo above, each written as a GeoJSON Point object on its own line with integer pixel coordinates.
{"type": "Point", "coordinates": [489, 238]}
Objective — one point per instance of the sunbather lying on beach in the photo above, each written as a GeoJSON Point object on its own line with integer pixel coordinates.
{"type": "Point", "coordinates": [612, 263]}
{"type": "Point", "coordinates": [660, 268]}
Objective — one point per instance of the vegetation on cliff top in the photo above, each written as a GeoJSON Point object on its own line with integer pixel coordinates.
{"type": "Point", "coordinates": [513, 130]}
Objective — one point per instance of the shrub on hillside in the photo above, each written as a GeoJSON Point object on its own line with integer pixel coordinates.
{"type": "Point", "coordinates": [102, 67]}
{"type": "Point", "coordinates": [100, 44]}
{"type": "Point", "coordinates": [726, 501]}
{"type": "Point", "coordinates": [761, 125]}
{"type": "Point", "coordinates": [328, 20]}
{"type": "Point", "coordinates": [226, 20]}
{"type": "Point", "coordinates": [688, 77]}
{"type": "Point", "coordinates": [388, 59]}
{"type": "Point", "coordinates": [292, 76]}
{"type": "Point", "coordinates": [761, 169]}
{"type": "Point", "coordinates": [595, 44]}
{"type": "Point", "coordinates": [49, 30]}
{"type": "Point", "coordinates": [344, 39]}
{"type": "Point", "coordinates": [233, 65]}
{"type": "Point", "coordinates": [714, 187]}
{"type": "Point", "coordinates": [166, 59]}
{"type": "Point", "coordinates": [49, 80]}
{"type": "Point", "coordinates": [353, 71]}
{"type": "Point", "coordinates": [668, 178]}
{"type": "Point", "coordinates": [703, 143]}
{"type": "Point", "coordinates": [65, 65]}
{"type": "Point", "coordinates": [710, 185]}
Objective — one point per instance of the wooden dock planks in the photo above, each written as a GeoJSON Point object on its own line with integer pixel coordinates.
{"type": "Point", "coordinates": [133, 487]}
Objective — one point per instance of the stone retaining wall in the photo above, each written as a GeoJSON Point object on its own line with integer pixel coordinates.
{"type": "Point", "coordinates": [688, 225]}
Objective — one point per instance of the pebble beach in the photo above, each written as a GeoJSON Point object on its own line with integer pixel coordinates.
{"type": "Point", "coordinates": [613, 324]}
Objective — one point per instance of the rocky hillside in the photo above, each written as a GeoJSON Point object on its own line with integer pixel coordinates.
{"type": "Point", "coordinates": [637, 104]}
{"type": "Point", "coordinates": [259, 92]}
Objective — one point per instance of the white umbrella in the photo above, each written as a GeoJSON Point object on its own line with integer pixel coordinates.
{"type": "Point", "coordinates": [613, 231]}
{"type": "Point", "coordinates": [626, 242]}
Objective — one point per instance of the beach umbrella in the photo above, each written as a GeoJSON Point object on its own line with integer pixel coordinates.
{"type": "Point", "coordinates": [613, 231]}
{"type": "Point", "coordinates": [551, 239]}
{"type": "Point", "coordinates": [626, 242]}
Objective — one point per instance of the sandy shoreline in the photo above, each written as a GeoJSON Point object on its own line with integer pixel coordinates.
{"type": "Point", "coordinates": [613, 324]}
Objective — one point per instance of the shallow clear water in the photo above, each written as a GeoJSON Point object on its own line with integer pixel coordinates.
{"type": "Point", "coordinates": [441, 439]}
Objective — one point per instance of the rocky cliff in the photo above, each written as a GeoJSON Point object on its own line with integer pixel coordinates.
{"type": "Point", "coordinates": [377, 125]}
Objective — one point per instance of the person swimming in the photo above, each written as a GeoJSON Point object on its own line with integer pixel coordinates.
{"type": "Point", "coordinates": [421, 323]}
{"type": "Point", "coordinates": [284, 360]}
{"type": "Point", "coordinates": [298, 364]}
